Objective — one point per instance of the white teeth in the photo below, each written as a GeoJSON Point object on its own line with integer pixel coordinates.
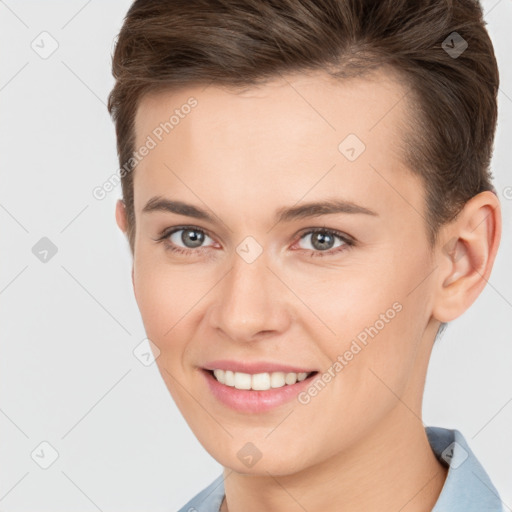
{"type": "Point", "coordinates": [290, 378]}
{"type": "Point", "coordinates": [220, 376]}
{"type": "Point", "coordinates": [277, 379]}
{"type": "Point", "coordinates": [242, 380]}
{"type": "Point", "coordinates": [229, 378]}
{"type": "Point", "coordinates": [258, 381]}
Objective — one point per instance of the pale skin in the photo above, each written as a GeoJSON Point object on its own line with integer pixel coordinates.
{"type": "Point", "coordinates": [360, 444]}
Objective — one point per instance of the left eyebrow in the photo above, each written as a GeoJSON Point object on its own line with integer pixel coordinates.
{"type": "Point", "coordinates": [286, 214]}
{"type": "Point", "coordinates": [315, 209]}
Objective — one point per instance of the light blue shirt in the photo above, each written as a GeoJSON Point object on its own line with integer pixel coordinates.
{"type": "Point", "coordinates": [467, 487]}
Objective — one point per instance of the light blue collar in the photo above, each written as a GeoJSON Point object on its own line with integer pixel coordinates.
{"type": "Point", "coordinates": [467, 487]}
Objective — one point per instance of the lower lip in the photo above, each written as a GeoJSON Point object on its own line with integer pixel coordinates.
{"type": "Point", "coordinates": [253, 401]}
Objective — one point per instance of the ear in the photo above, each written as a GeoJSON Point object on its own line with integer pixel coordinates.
{"type": "Point", "coordinates": [121, 216]}
{"type": "Point", "coordinates": [122, 222]}
{"type": "Point", "coordinates": [465, 254]}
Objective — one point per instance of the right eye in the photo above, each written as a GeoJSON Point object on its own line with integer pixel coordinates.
{"type": "Point", "coordinates": [190, 237]}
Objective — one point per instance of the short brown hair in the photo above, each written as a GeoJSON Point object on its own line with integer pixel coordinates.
{"type": "Point", "coordinates": [169, 44]}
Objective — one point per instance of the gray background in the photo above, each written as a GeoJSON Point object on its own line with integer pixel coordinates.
{"type": "Point", "coordinates": [68, 375]}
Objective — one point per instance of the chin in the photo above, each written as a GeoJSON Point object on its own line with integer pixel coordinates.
{"type": "Point", "coordinates": [261, 465]}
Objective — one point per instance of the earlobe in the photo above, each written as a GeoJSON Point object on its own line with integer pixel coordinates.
{"type": "Point", "coordinates": [466, 260]}
{"type": "Point", "coordinates": [121, 216]}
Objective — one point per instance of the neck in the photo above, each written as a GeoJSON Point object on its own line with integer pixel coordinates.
{"type": "Point", "coordinates": [393, 468]}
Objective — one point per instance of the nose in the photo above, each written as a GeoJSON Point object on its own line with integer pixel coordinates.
{"type": "Point", "coordinates": [250, 302]}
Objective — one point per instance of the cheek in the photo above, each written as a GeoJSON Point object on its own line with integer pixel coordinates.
{"type": "Point", "coordinates": [372, 317]}
{"type": "Point", "coordinates": [340, 304]}
{"type": "Point", "coordinates": [166, 298]}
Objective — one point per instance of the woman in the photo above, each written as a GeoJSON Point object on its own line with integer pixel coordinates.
{"type": "Point", "coordinates": [308, 203]}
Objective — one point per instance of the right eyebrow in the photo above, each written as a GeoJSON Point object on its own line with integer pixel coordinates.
{"type": "Point", "coordinates": [158, 203]}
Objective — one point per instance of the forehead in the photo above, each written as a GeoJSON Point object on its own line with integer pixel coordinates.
{"type": "Point", "coordinates": [286, 134]}
{"type": "Point", "coordinates": [304, 104]}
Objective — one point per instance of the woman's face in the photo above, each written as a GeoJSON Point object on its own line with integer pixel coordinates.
{"type": "Point", "coordinates": [251, 288]}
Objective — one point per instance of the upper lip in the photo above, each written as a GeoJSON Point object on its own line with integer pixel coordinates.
{"type": "Point", "coordinates": [254, 367]}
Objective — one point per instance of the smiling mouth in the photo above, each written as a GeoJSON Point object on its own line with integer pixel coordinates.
{"type": "Point", "coordinates": [258, 381]}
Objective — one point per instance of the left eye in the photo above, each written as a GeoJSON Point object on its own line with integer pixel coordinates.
{"type": "Point", "coordinates": [323, 240]}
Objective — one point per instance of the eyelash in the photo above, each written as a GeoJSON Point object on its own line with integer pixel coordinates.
{"type": "Point", "coordinates": [347, 241]}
